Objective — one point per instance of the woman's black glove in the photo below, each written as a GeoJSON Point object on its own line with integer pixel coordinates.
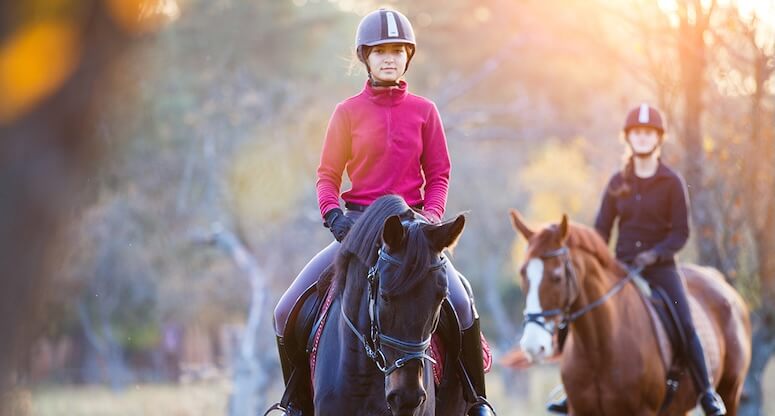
{"type": "Point", "coordinates": [338, 223]}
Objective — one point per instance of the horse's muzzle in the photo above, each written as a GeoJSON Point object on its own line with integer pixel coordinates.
{"type": "Point", "coordinates": [404, 402]}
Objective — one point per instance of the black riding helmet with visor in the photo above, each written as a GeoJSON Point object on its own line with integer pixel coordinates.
{"type": "Point", "coordinates": [381, 27]}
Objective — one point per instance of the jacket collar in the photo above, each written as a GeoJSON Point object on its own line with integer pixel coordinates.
{"type": "Point", "coordinates": [386, 96]}
{"type": "Point", "coordinates": [663, 170]}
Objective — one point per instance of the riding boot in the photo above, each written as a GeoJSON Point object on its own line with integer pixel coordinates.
{"type": "Point", "coordinates": [559, 406]}
{"type": "Point", "coordinates": [709, 400]}
{"type": "Point", "coordinates": [289, 408]}
{"type": "Point", "coordinates": [473, 368]}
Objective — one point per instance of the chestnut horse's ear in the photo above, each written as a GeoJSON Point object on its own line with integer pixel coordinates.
{"type": "Point", "coordinates": [564, 228]}
{"type": "Point", "coordinates": [446, 234]}
{"type": "Point", "coordinates": [393, 233]}
{"type": "Point", "coordinates": [519, 224]}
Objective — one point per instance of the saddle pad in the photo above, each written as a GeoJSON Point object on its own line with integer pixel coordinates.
{"type": "Point", "coordinates": [702, 325]}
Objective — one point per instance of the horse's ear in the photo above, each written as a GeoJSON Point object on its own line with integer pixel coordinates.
{"type": "Point", "coordinates": [445, 235]}
{"type": "Point", "coordinates": [519, 224]}
{"type": "Point", "coordinates": [564, 227]}
{"type": "Point", "coordinates": [393, 233]}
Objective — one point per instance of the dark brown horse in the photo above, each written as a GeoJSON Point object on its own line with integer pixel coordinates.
{"type": "Point", "coordinates": [390, 283]}
{"type": "Point", "coordinates": [611, 363]}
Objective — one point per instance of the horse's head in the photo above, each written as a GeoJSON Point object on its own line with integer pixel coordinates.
{"type": "Point", "coordinates": [551, 286]}
{"type": "Point", "coordinates": [407, 285]}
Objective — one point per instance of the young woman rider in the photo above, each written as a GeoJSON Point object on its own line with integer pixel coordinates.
{"type": "Point", "coordinates": [389, 141]}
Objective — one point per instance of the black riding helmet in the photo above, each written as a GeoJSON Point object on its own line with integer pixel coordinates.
{"type": "Point", "coordinates": [380, 27]}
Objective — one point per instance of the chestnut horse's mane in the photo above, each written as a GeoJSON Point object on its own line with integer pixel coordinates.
{"type": "Point", "coordinates": [586, 239]}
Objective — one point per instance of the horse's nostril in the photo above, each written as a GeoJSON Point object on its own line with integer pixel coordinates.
{"type": "Point", "coordinates": [392, 397]}
{"type": "Point", "coordinates": [542, 349]}
{"type": "Point", "coordinates": [404, 401]}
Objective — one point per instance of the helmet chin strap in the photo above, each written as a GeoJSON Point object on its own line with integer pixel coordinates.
{"type": "Point", "coordinates": [377, 83]}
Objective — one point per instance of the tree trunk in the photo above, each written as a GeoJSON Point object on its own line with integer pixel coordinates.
{"type": "Point", "coordinates": [691, 50]}
{"type": "Point", "coordinates": [106, 347]}
{"type": "Point", "coordinates": [249, 379]}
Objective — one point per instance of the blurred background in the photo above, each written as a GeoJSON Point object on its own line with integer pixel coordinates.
{"type": "Point", "coordinates": [157, 173]}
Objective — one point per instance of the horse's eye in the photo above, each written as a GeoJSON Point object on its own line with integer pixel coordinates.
{"type": "Point", "coordinates": [385, 298]}
{"type": "Point", "coordinates": [556, 276]}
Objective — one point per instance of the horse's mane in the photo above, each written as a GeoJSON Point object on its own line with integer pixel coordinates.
{"type": "Point", "coordinates": [364, 240]}
{"type": "Point", "coordinates": [586, 239]}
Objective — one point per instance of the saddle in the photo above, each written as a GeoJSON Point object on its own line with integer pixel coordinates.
{"type": "Point", "coordinates": [301, 320]}
{"type": "Point", "coordinates": [672, 340]}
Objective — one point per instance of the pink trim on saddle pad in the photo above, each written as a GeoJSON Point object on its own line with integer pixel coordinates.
{"type": "Point", "coordinates": [486, 354]}
{"type": "Point", "coordinates": [438, 353]}
{"type": "Point", "coordinates": [313, 355]}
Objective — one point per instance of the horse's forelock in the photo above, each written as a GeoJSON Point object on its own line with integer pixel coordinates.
{"type": "Point", "coordinates": [417, 261]}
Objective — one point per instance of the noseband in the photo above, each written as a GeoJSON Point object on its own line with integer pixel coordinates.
{"type": "Point", "coordinates": [539, 318]}
{"type": "Point", "coordinates": [377, 340]}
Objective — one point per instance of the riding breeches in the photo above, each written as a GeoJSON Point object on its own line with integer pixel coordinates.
{"type": "Point", "coordinates": [668, 278]}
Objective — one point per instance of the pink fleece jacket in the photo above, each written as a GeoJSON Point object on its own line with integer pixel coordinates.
{"type": "Point", "coordinates": [390, 142]}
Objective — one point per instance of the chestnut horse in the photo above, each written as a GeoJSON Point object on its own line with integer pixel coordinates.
{"type": "Point", "coordinates": [611, 362]}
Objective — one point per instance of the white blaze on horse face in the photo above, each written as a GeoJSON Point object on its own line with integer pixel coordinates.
{"type": "Point", "coordinates": [536, 341]}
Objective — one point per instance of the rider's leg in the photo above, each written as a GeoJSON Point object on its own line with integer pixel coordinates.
{"type": "Point", "coordinates": [308, 275]}
{"type": "Point", "coordinates": [669, 280]}
{"type": "Point", "coordinates": [461, 297]}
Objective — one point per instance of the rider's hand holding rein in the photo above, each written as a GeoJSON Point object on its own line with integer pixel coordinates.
{"type": "Point", "coordinates": [338, 223]}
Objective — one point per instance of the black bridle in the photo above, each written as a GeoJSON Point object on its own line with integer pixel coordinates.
{"type": "Point", "coordinates": [539, 318]}
{"type": "Point", "coordinates": [374, 343]}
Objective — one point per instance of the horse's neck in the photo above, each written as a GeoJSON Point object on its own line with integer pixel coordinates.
{"type": "Point", "coordinates": [594, 332]}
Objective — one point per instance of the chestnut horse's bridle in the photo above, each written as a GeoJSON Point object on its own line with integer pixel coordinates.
{"type": "Point", "coordinates": [539, 318]}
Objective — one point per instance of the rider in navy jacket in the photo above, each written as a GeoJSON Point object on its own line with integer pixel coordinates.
{"type": "Point", "coordinates": [649, 200]}
{"type": "Point", "coordinates": [653, 215]}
